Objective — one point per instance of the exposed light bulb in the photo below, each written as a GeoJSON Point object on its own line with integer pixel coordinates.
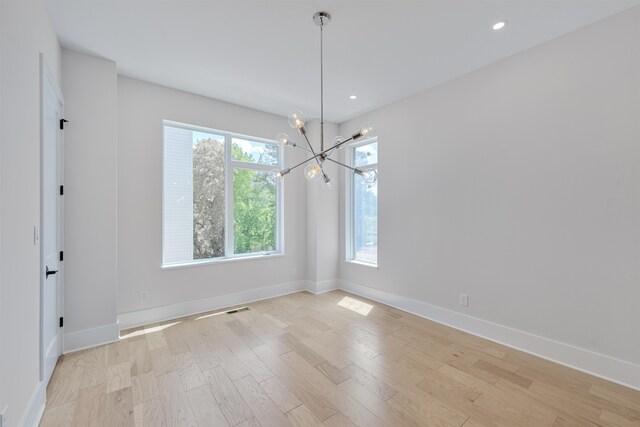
{"type": "Point", "coordinates": [500, 25]}
{"type": "Point", "coordinates": [312, 172]}
{"type": "Point", "coordinates": [369, 176]}
{"type": "Point", "coordinates": [278, 174]}
{"type": "Point", "coordinates": [284, 139]}
{"type": "Point", "coordinates": [353, 97]}
{"type": "Point", "coordinates": [296, 119]}
{"type": "Point", "coordinates": [337, 141]}
{"type": "Point", "coordinates": [367, 129]}
{"type": "Point", "coordinates": [327, 183]}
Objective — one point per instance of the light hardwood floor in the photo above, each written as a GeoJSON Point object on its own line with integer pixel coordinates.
{"type": "Point", "coordinates": [323, 360]}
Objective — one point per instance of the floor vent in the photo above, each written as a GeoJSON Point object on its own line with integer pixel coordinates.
{"type": "Point", "coordinates": [237, 310]}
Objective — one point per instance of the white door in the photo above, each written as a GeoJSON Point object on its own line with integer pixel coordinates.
{"type": "Point", "coordinates": [51, 216]}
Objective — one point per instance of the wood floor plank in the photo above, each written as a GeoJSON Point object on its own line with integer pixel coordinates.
{"type": "Point", "coordinates": [189, 371]}
{"type": "Point", "coordinates": [252, 422]}
{"type": "Point", "coordinates": [262, 407]}
{"type": "Point", "coordinates": [302, 349]}
{"type": "Point", "coordinates": [59, 416]}
{"type": "Point", "coordinates": [91, 408]}
{"type": "Point", "coordinates": [258, 370]}
{"type": "Point", "coordinates": [118, 376]}
{"type": "Point", "coordinates": [174, 401]}
{"type": "Point", "coordinates": [340, 420]}
{"type": "Point", "coordinates": [504, 374]}
{"type": "Point", "coordinates": [244, 333]}
{"type": "Point", "coordinates": [431, 412]}
{"type": "Point", "coordinates": [94, 367]}
{"type": "Point", "coordinates": [64, 384]}
{"type": "Point", "coordinates": [342, 401]}
{"type": "Point", "coordinates": [139, 355]}
{"type": "Point", "coordinates": [155, 338]}
{"type": "Point", "coordinates": [302, 417]}
{"type": "Point", "coordinates": [117, 352]}
{"type": "Point", "coordinates": [284, 399]}
{"type": "Point", "coordinates": [119, 411]}
{"type": "Point", "coordinates": [161, 361]}
{"type": "Point", "coordinates": [175, 339]}
{"type": "Point", "coordinates": [144, 387]}
{"type": "Point", "coordinates": [334, 374]}
{"type": "Point", "coordinates": [304, 390]}
{"type": "Point", "coordinates": [205, 408]}
{"type": "Point", "coordinates": [379, 407]}
{"type": "Point", "coordinates": [231, 404]}
{"type": "Point", "coordinates": [370, 382]}
{"type": "Point", "coordinates": [618, 420]}
{"type": "Point", "coordinates": [149, 414]}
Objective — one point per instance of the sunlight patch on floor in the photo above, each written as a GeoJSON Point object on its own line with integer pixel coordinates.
{"type": "Point", "coordinates": [149, 330]}
{"type": "Point", "coordinates": [354, 305]}
{"type": "Point", "coordinates": [204, 316]}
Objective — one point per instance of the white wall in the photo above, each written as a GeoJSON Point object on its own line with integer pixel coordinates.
{"type": "Point", "coordinates": [90, 178]}
{"type": "Point", "coordinates": [141, 109]}
{"type": "Point", "coordinates": [518, 184]}
{"type": "Point", "coordinates": [323, 214]}
{"type": "Point", "coordinates": [26, 31]}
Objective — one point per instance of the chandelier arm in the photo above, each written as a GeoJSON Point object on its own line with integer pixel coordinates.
{"type": "Point", "coordinates": [336, 146]}
{"type": "Point", "coordinates": [356, 170]}
{"type": "Point", "coordinates": [302, 163]}
{"type": "Point", "coordinates": [315, 156]}
{"type": "Point", "coordinates": [302, 148]}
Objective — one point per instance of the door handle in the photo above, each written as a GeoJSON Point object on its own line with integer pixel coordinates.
{"type": "Point", "coordinates": [48, 272]}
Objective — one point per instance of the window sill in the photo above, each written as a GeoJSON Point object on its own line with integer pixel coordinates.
{"type": "Point", "coordinates": [252, 257]}
{"type": "Point", "coordinates": [362, 263]}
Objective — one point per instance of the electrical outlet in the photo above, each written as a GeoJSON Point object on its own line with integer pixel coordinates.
{"type": "Point", "coordinates": [4, 422]}
{"type": "Point", "coordinates": [144, 295]}
{"type": "Point", "coordinates": [464, 300]}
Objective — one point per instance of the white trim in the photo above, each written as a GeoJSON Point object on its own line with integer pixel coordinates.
{"type": "Point", "coordinates": [362, 263]}
{"type": "Point", "coordinates": [350, 255]}
{"type": "Point", "coordinates": [323, 286]}
{"type": "Point", "coordinates": [222, 260]}
{"type": "Point", "coordinates": [229, 167]}
{"type": "Point", "coordinates": [35, 408]}
{"type": "Point", "coordinates": [599, 365]}
{"type": "Point", "coordinates": [173, 311]}
{"type": "Point", "coordinates": [87, 338]}
{"type": "Point", "coordinates": [48, 80]}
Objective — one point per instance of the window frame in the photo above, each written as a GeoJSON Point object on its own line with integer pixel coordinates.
{"type": "Point", "coordinates": [350, 255]}
{"type": "Point", "coordinates": [229, 166]}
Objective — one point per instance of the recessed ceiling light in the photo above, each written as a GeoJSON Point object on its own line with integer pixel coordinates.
{"type": "Point", "coordinates": [500, 25]}
{"type": "Point", "coordinates": [353, 97]}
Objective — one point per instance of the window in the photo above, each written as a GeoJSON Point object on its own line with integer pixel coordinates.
{"type": "Point", "coordinates": [219, 198]}
{"type": "Point", "coordinates": [362, 204]}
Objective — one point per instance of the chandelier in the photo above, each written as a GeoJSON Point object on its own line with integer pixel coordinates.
{"type": "Point", "coordinates": [314, 169]}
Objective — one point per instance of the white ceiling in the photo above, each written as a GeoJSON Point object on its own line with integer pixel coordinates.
{"type": "Point", "coordinates": [265, 54]}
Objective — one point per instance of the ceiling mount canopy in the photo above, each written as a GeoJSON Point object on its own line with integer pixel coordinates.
{"type": "Point", "coordinates": [314, 170]}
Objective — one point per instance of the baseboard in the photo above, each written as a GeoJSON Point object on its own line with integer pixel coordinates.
{"type": "Point", "coordinates": [134, 319]}
{"type": "Point", "coordinates": [35, 408]}
{"type": "Point", "coordinates": [599, 365]}
{"type": "Point", "coordinates": [323, 286]}
{"type": "Point", "coordinates": [74, 341]}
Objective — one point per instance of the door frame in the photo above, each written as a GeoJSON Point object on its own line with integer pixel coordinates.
{"type": "Point", "coordinates": [47, 78]}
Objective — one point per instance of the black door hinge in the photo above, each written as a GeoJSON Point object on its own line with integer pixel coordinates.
{"type": "Point", "coordinates": [62, 190]}
{"type": "Point", "coordinates": [61, 322]}
{"type": "Point", "coordinates": [61, 255]}
{"type": "Point", "coordinates": [62, 122]}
